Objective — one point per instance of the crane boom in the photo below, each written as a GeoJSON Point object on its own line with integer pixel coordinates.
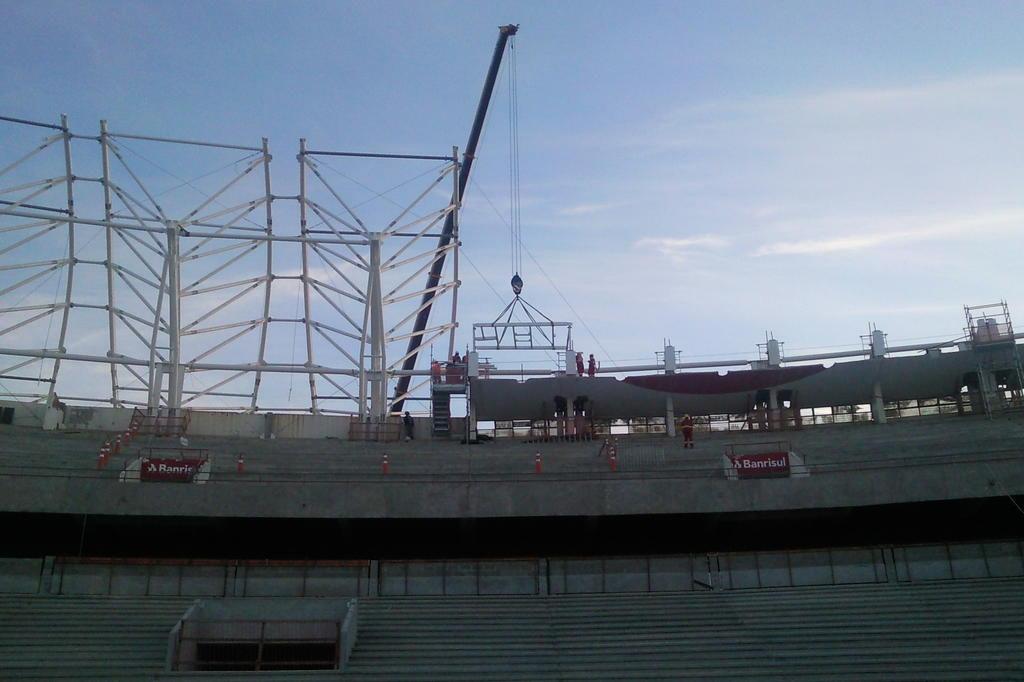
{"type": "Point", "coordinates": [434, 277]}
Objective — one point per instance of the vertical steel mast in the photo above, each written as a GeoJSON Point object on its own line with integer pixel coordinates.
{"type": "Point", "coordinates": [416, 340]}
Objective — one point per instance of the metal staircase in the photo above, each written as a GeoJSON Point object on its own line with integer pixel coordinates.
{"type": "Point", "coordinates": [440, 402]}
{"type": "Point", "coordinates": [447, 380]}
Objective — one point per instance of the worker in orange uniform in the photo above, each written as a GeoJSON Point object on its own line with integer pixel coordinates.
{"type": "Point", "coordinates": [686, 423]}
{"type": "Point", "coordinates": [591, 366]}
{"type": "Point", "coordinates": [579, 364]}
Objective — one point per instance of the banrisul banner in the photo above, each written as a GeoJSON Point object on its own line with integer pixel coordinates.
{"type": "Point", "coordinates": [177, 470]}
{"type": "Point", "coordinates": [761, 465]}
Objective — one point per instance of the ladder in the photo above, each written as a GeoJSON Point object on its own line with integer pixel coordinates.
{"type": "Point", "coordinates": [441, 412]}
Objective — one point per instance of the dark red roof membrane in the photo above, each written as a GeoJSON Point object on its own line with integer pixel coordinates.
{"type": "Point", "coordinates": [731, 382]}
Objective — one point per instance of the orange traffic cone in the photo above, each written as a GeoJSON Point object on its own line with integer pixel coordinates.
{"type": "Point", "coordinates": [240, 465]}
{"type": "Point", "coordinates": [117, 445]}
{"type": "Point", "coordinates": [385, 466]}
{"type": "Point", "coordinates": [104, 454]}
{"type": "Point", "coordinates": [536, 464]}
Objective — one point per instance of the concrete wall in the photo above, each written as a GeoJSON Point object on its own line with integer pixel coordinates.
{"type": "Point", "coordinates": [26, 414]}
{"type": "Point", "coordinates": [21, 576]}
{"type": "Point", "coordinates": [585, 493]}
{"type": "Point", "coordinates": [310, 426]}
{"type": "Point", "coordinates": [203, 423]}
{"type": "Point", "coordinates": [233, 424]}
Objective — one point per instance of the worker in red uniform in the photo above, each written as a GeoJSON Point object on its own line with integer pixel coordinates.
{"type": "Point", "coordinates": [591, 366]}
{"type": "Point", "coordinates": [686, 424]}
{"type": "Point", "coordinates": [579, 364]}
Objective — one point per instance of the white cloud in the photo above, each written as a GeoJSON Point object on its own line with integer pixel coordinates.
{"type": "Point", "coordinates": [678, 248]}
{"type": "Point", "coordinates": [896, 231]}
{"type": "Point", "coordinates": [819, 246]}
{"type": "Point", "coordinates": [586, 209]}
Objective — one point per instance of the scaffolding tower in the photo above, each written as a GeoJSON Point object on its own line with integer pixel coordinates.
{"type": "Point", "coordinates": [1000, 375]}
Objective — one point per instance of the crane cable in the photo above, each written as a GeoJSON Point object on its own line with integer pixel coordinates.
{"type": "Point", "coordinates": [515, 224]}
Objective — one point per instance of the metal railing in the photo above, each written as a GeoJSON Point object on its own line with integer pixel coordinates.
{"type": "Point", "coordinates": [145, 424]}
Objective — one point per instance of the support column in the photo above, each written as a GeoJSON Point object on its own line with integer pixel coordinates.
{"type": "Point", "coordinates": [877, 403]}
{"type": "Point", "coordinates": [877, 400]}
{"type": "Point", "coordinates": [570, 362]}
{"type": "Point", "coordinates": [156, 382]}
{"type": "Point", "coordinates": [108, 214]}
{"type": "Point", "coordinates": [670, 408]}
{"type": "Point", "coordinates": [378, 380]}
{"type": "Point", "coordinates": [456, 203]}
{"type": "Point", "coordinates": [472, 369]}
{"type": "Point", "coordinates": [66, 309]}
{"type": "Point", "coordinates": [774, 351]}
{"type": "Point", "coordinates": [174, 374]}
{"type": "Point", "coordinates": [773, 410]}
{"type": "Point", "coordinates": [261, 356]}
{"type": "Point", "coordinates": [307, 315]}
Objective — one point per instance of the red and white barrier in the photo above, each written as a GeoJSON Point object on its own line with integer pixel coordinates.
{"type": "Point", "coordinates": [537, 467]}
{"type": "Point", "coordinates": [385, 465]}
{"type": "Point", "coordinates": [240, 464]}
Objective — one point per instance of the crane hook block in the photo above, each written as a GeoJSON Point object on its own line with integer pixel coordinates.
{"type": "Point", "coordinates": [517, 284]}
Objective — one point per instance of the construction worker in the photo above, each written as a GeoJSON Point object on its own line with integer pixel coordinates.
{"type": "Point", "coordinates": [686, 424]}
{"type": "Point", "coordinates": [409, 425]}
{"type": "Point", "coordinates": [579, 364]}
{"type": "Point", "coordinates": [591, 366]}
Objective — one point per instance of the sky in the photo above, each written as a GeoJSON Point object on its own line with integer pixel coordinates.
{"type": "Point", "coordinates": [704, 172]}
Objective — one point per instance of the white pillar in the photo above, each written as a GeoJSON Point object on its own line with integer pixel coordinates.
{"type": "Point", "coordinates": [877, 344]}
{"type": "Point", "coordinates": [155, 386]}
{"type": "Point", "coordinates": [773, 409]}
{"type": "Point", "coordinates": [570, 362]}
{"type": "Point", "coordinates": [774, 353]}
{"type": "Point", "coordinates": [174, 377]}
{"type": "Point", "coordinates": [472, 370]}
{"type": "Point", "coordinates": [378, 379]}
{"type": "Point", "coordinates": [670, 408]}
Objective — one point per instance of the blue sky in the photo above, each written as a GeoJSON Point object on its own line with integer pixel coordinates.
{"type": "Point", "coordinates": [698, 171]}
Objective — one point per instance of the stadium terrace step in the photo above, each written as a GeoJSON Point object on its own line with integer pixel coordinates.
{"type": "Point", "coordinates": [953, 630]}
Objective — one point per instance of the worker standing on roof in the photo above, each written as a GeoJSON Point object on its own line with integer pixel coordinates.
{"type": "Point", "coordinates": [591, 366]}
{"type": "Point", "coordinates": [579, 364]}
{"type": "Point", "coordinates": [686, 424]}
{"type": "Point", "coordinates": [409, 425]}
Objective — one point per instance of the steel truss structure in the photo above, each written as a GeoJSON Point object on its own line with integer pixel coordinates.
{"type": "Point", "coordinates": [175, 293]}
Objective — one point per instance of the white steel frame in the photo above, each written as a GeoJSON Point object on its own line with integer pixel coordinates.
{"type": "Point", "coordinates": [174, 259]}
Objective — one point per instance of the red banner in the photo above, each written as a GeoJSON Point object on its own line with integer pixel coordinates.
{"type": "Point", "coordinates": [761, 465]}
{"type": "Point", "coordinates": [179, 470]}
